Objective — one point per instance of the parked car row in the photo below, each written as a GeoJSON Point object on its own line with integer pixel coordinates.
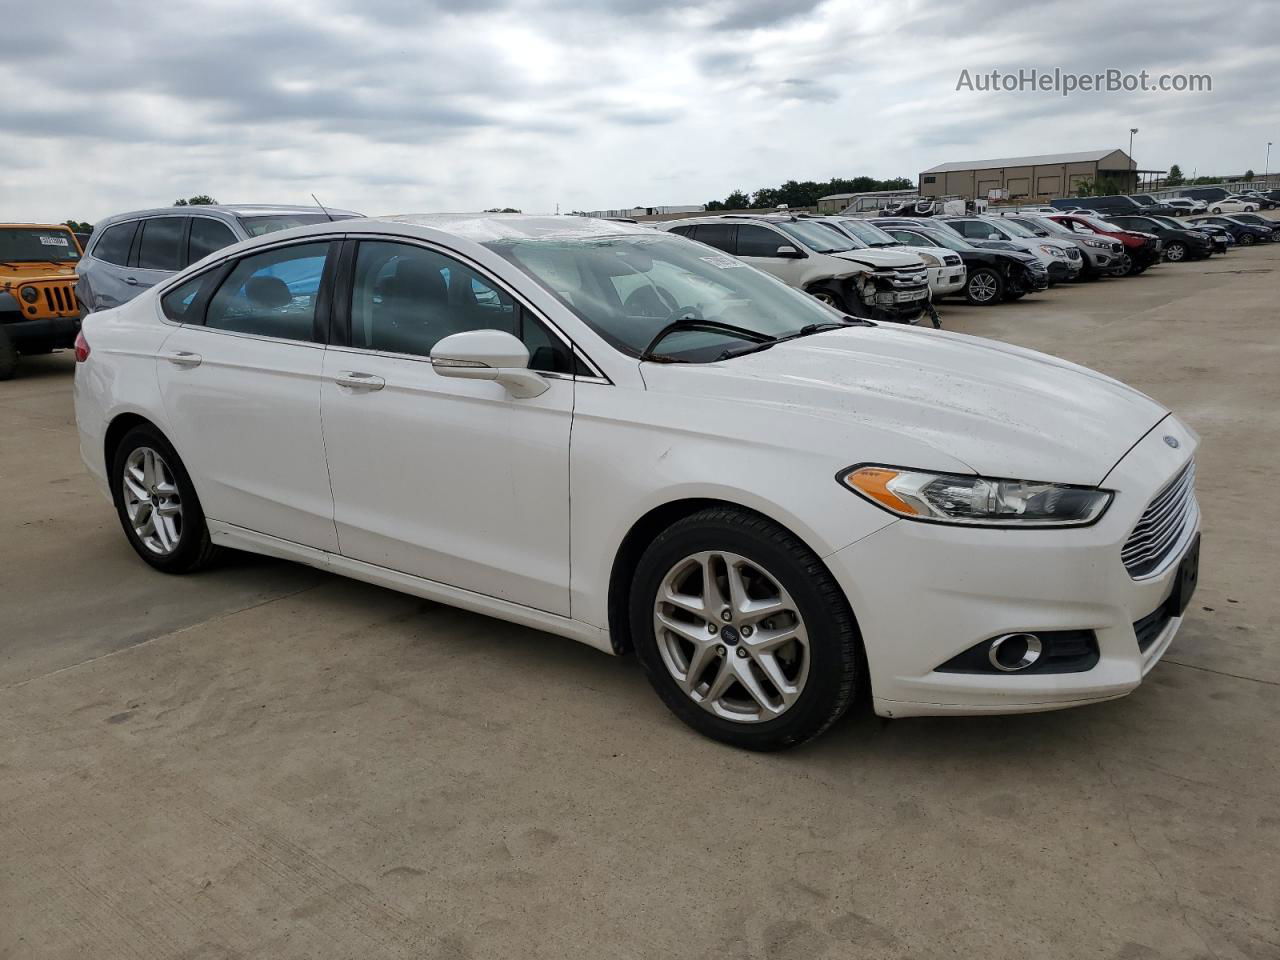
{"type": "Point", "coordinates": [783, 511]}
{"type": "Point", "coordinates": [1196, 200]}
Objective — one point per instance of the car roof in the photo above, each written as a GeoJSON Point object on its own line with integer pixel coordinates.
{"type": "Point", "coordinates": [35, 226]}
{"type": "Point", "coordinates": [226, 210]}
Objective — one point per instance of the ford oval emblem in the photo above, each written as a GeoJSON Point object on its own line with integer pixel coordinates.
{"type": "Point", "coordinates": [1172, 441]}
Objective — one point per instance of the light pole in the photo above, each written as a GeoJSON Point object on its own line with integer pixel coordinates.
{"type": "Point", "coordinates": [1132, 131]}
{"type": "Point", "coordinates": [1266, 167]}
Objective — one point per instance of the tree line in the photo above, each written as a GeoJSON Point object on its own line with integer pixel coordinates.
{"type": "Point", "coordinates": [805, 193]}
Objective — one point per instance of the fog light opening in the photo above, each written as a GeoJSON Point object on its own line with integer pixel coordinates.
{"type": "Point", "coordinates": [1014, 651]}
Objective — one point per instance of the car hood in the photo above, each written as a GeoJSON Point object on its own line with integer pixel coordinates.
{"type": "Point", "coordinates": [1001, 410]}
{"type": "Point", "coordinates": [880, 259]}
{"type": "Point", "coordinates": [20, 270]}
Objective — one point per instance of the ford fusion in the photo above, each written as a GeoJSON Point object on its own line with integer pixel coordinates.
{"type": "Point", "coordinates": [635, 440]}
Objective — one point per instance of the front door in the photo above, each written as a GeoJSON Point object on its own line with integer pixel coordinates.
{"type": "Point", "coordinates": [452, 480]}
{"type": "Point", "coordinates": [241, 385]}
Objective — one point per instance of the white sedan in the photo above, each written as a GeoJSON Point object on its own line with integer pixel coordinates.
{"type": "Point", "coordinates": [1233, 205]}
{"type": "Point", "coordinates": [627, 438]}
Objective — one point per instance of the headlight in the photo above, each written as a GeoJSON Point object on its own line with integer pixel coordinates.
{"type": "Point", "coordinates": [929, 259]}
{"type": "Point", "coordinates": [976, 501]}
{"type": "Point", "coordinates": [1050, 251]}
{"type": "Point", "coordinates": [1103, 244]}
{"type": "Point", "coordinates": [30, 294]}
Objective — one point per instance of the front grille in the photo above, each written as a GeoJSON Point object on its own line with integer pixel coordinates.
{"type": "Point", "coordinates": [1162, 525]}
{"type": "Point", "coordinates": [1073, 253]}
{"type": "Point", "coordinates": [1149, 628]}
{"type": "Point", "coordinates": [60, 298]}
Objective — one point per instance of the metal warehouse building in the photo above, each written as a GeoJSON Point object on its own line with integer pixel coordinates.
{"type": "Point", "coordinates": [1041, 177]}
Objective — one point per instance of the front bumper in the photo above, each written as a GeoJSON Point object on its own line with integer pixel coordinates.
{"type": "Point", "coordinates": [1061, 270]}
{"type": "Point", "coordinates": [924, 593]}
{"type": "Point", "coordinates": [945, 281]}
{"type": "Point", "coordinates": [60, 330]}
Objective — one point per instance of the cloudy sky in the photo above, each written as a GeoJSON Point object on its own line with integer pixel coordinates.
{"type": "Point", "coordinates": [417, 105]}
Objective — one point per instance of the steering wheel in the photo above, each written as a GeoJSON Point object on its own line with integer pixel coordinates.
{"type": "Point", "coordinates": [648, 301]}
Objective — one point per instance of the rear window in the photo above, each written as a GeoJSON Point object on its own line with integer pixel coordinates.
{"type": "Point", "coordinates": [113, 246]}
{"type": "Point", "coordinates": [208, 236]}
{"type": "Point", "coordinates": [161, 246]}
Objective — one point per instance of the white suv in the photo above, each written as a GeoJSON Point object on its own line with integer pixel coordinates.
{"type": "Point", "coordinates": [947, 274]}
{"type": "Point", "coordinates": [820, 260]}
{"type": "Point", "coordinates": [1062, 260]}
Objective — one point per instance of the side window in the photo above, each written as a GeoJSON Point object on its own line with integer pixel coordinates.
{"type": "Point", "coordinates": [207, 236]}
{"type": "Point", "coordinates": [975, 230]}
{"type": "Point", "coordinates": [758, 241]}
{"type": "Point", "coordinates": [178, 301]}
{"type": "Point", "coordinates": [271, 294]}
{"type": "Point", "coordinates": [113, 247]}
{"type": "Point", "coordinates": [404, 299]}
{"type": "Point", "coordinates": [683, 231]}
{"type": "Point", "coordinates": [161, 246]}
{"type": "Point", "coordinates": [718, 235]}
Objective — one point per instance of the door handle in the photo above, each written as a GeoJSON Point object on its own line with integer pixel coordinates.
{"type": "Point", "coordinates": [183, 358]}
{"type": "Point", "coordinates": [131, 281]}
{"type": "Point", "coordinates": [359, 381]}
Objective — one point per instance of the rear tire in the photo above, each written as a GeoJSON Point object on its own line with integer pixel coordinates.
{"type": "Point", "coordinates": [157, 504]}
{"type": "Point", "coordinates": [8, 356]}
{"type": "Point", "coordinates": [726, 674]}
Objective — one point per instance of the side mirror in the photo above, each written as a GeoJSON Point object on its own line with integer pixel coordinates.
{"type": "Point", "coordinates": [788, 252]}
{"type": "Point", "coordinates": [488, 355]}
{"type": "Point", "coordinates": [993, 236]}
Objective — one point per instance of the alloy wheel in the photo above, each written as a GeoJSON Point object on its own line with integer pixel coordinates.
{"type": "Point", "coordinates": [152, 501]}
{"type": "Point", "coordinates": [1175, 252]}
{"type": "Point", "coordinates": [982, 288]}
{"type": "Point", "coordinates": [731, 637]}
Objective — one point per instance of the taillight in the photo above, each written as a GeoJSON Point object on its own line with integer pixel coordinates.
{"type": "Point", "coordinates": [82, 348]}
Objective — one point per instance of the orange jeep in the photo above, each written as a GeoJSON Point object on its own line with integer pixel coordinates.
{"type": "Point", "coordinates": [38, 309]}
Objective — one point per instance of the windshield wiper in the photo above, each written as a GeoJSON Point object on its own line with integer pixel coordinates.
{"type": "Point", "coordinates": [806, 331]}
{"type": "Point", "coordinates": [695, 323]}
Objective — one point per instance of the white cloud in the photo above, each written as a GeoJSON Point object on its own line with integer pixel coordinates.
{"type": "Point", "coordinates": [395, 105]}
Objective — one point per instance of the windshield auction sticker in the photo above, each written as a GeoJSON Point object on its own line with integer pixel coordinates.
{"type": "Point", "coordinates": [54, 241]}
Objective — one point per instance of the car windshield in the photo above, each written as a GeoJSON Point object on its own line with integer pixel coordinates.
{"type": "Point", "coordinates": [868, 233]}
{"type": "Point", "coordinates": [949, 238]}
{"type": "Point", "coordinates": [1010, 228]}
{"type": "Point", "coordinates": [1168, 222]}
{"type": "Point", "coordinates": [1102, 225]}
{"type": "Point", "coordinates": [258, 226]}
{"type": "Point", "coordinates": [37, 245]}
{"type": "Point", "coordinates": [627, 288]}
{"type": "Point", "coordinates": [819, 237]}
{"type": "Point", "coordinates": [1051, 227]}
{"type": "Point", "coordinates": [1144, 198]}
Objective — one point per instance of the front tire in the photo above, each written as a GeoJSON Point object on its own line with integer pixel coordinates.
{"type": "Point", "coordinates": [743, 632]}
{"type": "Point", "coordinates": [1175, 252]}
{"type": "Point", "coordinates": [984, 287]}
{"type": "Point", "coordinates": [8, 356]}
{"type": "Point", "coordinates": [157, 504]}
{"type": "Point", "coordinates": [1247, 239]}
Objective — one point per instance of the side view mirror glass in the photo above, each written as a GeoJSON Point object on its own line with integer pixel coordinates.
{"type": "Point", "coordinates": [993, 236]}
{"type": "Point", "coordinates": [488, 355]}
{"type": "Point", "coordinates": [788, 251]}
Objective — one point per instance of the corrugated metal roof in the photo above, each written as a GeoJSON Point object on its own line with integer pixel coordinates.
{"type": "Point", "coordinates": [1085, 156]}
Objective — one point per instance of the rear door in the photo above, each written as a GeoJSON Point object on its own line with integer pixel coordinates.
{"type": "Point", "coordinates": [104, 270]}
{"type": "Point", "coordinates": [240, 379]}
{"type": "Point", "coordinates": [160, 251]}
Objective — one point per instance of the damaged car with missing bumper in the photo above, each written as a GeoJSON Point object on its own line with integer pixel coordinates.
{"type": "Point", "coordinates": [820, 260]}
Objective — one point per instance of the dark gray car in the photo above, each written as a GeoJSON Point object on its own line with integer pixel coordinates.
{"type": "Point", "coordinates": [133, 251]}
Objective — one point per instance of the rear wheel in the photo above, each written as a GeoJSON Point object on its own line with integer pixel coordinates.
{"type": "Point", "coordinates": [157, 504]}
{"type": "Point", "coordinates": [984, 286]}
{"type": "Point", "coordinates": [743, 632]}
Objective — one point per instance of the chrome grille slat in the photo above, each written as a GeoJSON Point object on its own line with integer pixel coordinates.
{"type": "Point", "coordinates": [1162, 525]}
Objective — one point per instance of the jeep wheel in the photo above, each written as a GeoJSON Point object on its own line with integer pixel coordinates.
{"type": "Point", "coordinates": [8, 356]}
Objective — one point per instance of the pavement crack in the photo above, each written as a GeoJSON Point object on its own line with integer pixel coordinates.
{"type": "Point", "coordinates": [1221, 673]}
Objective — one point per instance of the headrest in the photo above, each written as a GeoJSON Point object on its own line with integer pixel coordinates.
{"type": "Point", "coordinates": [268, 292]}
